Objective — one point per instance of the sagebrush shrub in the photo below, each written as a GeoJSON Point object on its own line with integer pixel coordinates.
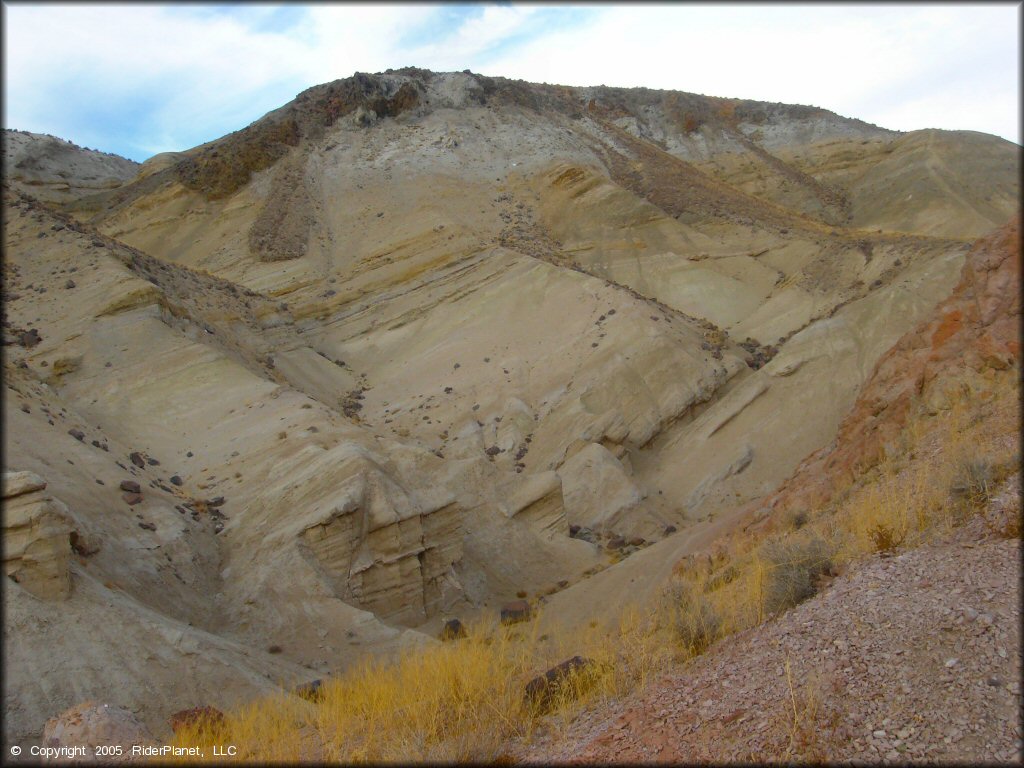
{"type": "Point", "coordinates": [794, 563]}
{"type": "Point", "coordinates": [972, 482]}
{"type": "Point", "coordinates": [695, 620]}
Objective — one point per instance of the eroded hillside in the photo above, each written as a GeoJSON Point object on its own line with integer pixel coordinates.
{"type": "Point", "coordinates": [416, 343]}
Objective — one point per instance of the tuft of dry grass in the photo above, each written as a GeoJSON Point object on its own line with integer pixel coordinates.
{"type": "Point", "coordinates": [450, 702]}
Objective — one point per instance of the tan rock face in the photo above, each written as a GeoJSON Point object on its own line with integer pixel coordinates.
{"type": "Point", "coordinates": [538, 502]}
{"type": "Point", "coordinates": [37, 531]}
{"type": "Point", "coordinates": [92, 724]}
{"type": "Point", "coordinates": [386, 554]}
{"type": "Point", "coordinates": [596, 490]}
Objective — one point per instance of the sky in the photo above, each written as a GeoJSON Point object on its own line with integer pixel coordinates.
{"type": "Point", "coordinates": [139, 79]}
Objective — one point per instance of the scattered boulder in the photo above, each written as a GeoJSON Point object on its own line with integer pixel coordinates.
{"type": "Point", "coordinates": [137, 459]}
{"type": "Point", "coordinates": [78, 434]}
{"type": "Point", "coordinates": [542, 690]}
{"type": "Point", "coordinates": [453, 630]}
{"type": "Point", "coordinates": [515, 612]}
{"type": "Point", "coordinates": [670, 529]}
{"type": "Point", "coordinates": [83, 544]}
{"type": "Point", "coordinates": [92, 724]}
{"type": "Point", "coordinates": [206, 718]}
{"type": "Point", "coordinates": [637, 541]}
{"type": "Point", "coordinates": [214, 503]}
{"type": "Point", "coordinates": [131, 486]}
{"type": "Point", "coordinates": [311, 691]}
{"type": "Point", "coordinates": [132, 498]}
{"type": "Point", "coordinates": [176, 480]}
{"type": "Point", "coordinates": [69, 284]}
{"type": "Point", "coordinates": [30, 338]}
{"type": "Point", "coordinates": [616, 542]}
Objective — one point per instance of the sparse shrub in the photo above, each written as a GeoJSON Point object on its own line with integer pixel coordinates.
{"type": "Point", "coordinates": [1005, 526]}
{"type": "Point", "coordinates": [972, 482]}
{"type": "Point", "coordinates": [885, 538]}
{"type": "Point", "coordinates": [794, 565]}
{"type": "Point", "coordinates": [694, 619]}
{"type": "Point", "coordinates": [725, 576]}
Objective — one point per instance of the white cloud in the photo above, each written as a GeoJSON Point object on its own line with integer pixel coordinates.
{"type": "Point", "coordinates": [838, 57]}
{"type": "Point", "coordinates": [166, 77]}
{"type": "Point", "coordinates": [475, 36]}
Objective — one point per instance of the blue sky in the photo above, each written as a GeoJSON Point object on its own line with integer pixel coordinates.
{"type": "Point", "coordinates": [138, 79]}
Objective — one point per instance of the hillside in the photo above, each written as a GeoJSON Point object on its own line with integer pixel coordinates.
{"type": "Point", "coordinates": [912, 653]}
{"type": "Point", "coordinates": [416, 344]}
{"type": "Point", "coordinates": [57, 171]}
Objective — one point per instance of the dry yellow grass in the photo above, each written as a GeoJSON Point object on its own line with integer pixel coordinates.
{"type": "Point", "coordinates": [458, 701]}
{"type": "Point", "coordinates": [462, 701]}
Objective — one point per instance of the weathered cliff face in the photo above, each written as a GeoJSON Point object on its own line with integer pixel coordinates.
{"type": "Point", "coordinates": [37, 537]}
{"type": "Point", "coordinates": [974, 332]}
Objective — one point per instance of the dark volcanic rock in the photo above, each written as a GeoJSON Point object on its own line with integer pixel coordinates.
{"type": "Point", "coordinates": [131, 486]}
{"type": "Point", "coordinates": [514, 612]}
{"type": "Point", "coordinates": [453, 630]}
{"type": "Point", "coordinates": [84, 545]}
{"type": "Point", "coordinates": [30, 338]}
{"type": "Point", "coordinates": [542, 690]}
{"type": "Point", "coordinates": [207, 718]}
{"type": "Point", "coordinates": [311, 691]}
